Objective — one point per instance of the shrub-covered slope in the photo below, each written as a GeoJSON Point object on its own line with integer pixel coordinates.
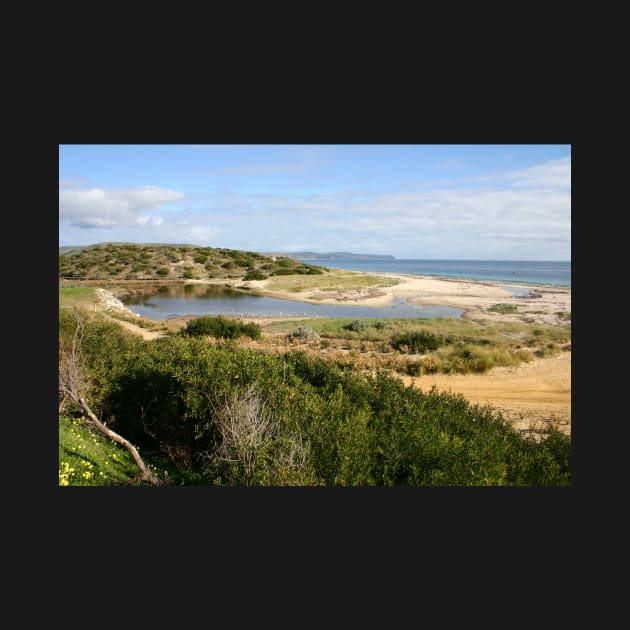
{"type": "Point", "coordinates": [166, 262]}
{"type": "Point", "coordinates": [227, 416]}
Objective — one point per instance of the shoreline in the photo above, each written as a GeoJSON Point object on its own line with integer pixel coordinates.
{"type": "Point", "coordinates": [543, 304]}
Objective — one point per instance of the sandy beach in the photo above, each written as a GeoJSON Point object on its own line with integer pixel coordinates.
{"type": "Point", "coordinates": [541, 304]}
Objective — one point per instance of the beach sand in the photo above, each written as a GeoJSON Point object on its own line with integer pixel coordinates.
{"type": "Point", "coordinates": [543, 304]}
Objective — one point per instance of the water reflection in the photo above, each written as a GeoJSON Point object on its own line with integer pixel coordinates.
{"type": "Point", "coordinates": [199, 299]}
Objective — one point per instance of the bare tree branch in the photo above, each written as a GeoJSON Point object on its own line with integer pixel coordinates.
{"type": "Point", "coordinates": [73, 384]}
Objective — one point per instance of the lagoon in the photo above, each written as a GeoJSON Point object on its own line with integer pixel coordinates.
{"type": "Point", "coordinates": [195, 299]}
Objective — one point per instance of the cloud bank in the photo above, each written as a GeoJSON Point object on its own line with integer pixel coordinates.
{"type": "Point", "coordinates": [523, 214]}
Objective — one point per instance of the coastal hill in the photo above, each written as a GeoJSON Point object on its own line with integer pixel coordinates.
{"type": "Point", "coordinates": [151, 261]}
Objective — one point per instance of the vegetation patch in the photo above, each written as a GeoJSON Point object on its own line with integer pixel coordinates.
{"type": "Point", "coordinates": [219, 414]}
{"type": "Point", "coordinates": [419, 341]}
{"type": "Point", "coordinates": [221, 328]}
{"type": "Point", "coordinates": [142, 262]}
{"type": "Point", "coordinates": [503, 308]}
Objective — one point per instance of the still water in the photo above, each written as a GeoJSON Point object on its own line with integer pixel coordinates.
{"type": "Point", "coordinates": [196, 299]}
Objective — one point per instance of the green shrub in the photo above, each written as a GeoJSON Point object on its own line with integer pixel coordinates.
{"type": "Point", "coordinates": [416, 341]}
{"type": "Point", "coordinates": [284, 271]}
{"type": "Point", "coordinates": [357, 325]}
{"type": "Point", "coordinates": [503, 308]}
{"type": "Point", "coordinates": [255, 275]}
{"type": "Point", "coordinates": [283, 261]}
{"type": "Point", "coordinates": [162, 271]}
{"type": "Point", "coordinates": [220, 328]}
{"type": "Point", "coordinates": [304, 332]}
{"type": "Point", "coordinates": [196, 405]}
{"type": "Point", "coordinates": [474, 359]}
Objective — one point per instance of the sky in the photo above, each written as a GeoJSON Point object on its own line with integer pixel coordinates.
{"type": "Point", "coordinates": [465, 202]}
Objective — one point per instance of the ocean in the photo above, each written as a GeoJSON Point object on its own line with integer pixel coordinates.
{"type": "Point", "coordinates": [552, 273]}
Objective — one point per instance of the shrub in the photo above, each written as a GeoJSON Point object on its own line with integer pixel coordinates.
{"type": "Point", "coordinates": [220, 328]}
{"type": "Point", "coordinates": [255, 275]}
{"type": "Point", "coordinates": [285, 271]}
{"type": "Point", "coordinates": [304, 332]}
{"type": "Point", "coordinates": [283, 261]}
{"type": "Point", "coordinates": [414, 368]}
{"type": "Point", "coordinates": [525, 355]}
{"type": "Point", "coordinates": [430, 364]}
{"type": "Point", "coordinates": [417, 341]}
{"type": "Point", "coordinates": [357, 325]}
{"type": "Point", "coordinates": [226, 416]}
{"type": "Point", "coordinates": [162, 271]}
{"type": "Point", "coordinates": [503, 308]}
{"type": "Point", "coordinates": [547, 350]}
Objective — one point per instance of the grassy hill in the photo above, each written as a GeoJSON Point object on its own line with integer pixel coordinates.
{"type": "Point", "coordinates": [132, 261]}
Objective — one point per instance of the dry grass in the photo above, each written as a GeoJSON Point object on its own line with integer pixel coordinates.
{"type": "Point", "coordinates": [335, 280]}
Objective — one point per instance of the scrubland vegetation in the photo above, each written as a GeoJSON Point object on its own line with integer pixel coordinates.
{"type": "Point", "coordinates": [425, 346]}
{"type": "Point", "coordinates": [312, 402]}
{"type": "Point", "coordinates": [162, 262]}
{"type": "Point", "coordinates": [202, 409]}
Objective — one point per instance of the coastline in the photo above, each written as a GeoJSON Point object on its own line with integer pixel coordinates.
{"type": "Point", "coordinates": [543, 304]}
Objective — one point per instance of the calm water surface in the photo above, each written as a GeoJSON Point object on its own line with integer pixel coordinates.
{"type": "Point", "coordinates": [195, 299]}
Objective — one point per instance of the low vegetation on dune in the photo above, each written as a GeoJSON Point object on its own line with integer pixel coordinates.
{"type": "Point", "coordinates": [420, 346]}
{"type": "Point", "coordinates": [208, 410]}
{"type": "Point", "coordinates": [334, 280]}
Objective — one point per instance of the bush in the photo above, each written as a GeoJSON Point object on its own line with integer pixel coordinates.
{"type": "Point", "coordinates": [430, 365]}
{"type": "Point", "coordinates": [220, 328]}
{"type": "Point", "coordinates": [255, 275]}
{"type": "Point", "coordinates": [356, 326]}
{"type": "Point", "coordinates": [414, 368]}
{"type": "Point", "coordinates": [420, 341]}
{"type": "Point", "coordinates": [304, 332]}
{"type": "Point", "coordinates": [226, 416]}
{"type": "Point", "coordinates": [162, 271]}
{"type": "Point", "coordinates": [475, 359]}
{"type": "Point", "coordinates": [285, 271]}
{"type": "Point", "coordinates": [503, 308]}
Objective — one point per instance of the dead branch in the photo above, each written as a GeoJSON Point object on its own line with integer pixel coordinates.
{"type": "Point", "coordinates": [74, 384]}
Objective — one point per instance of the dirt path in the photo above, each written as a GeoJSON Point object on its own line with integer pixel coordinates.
{"type": "Point", "coordinates": [528, 395]}
{"type": "Point", "coordinates": [146, 334]}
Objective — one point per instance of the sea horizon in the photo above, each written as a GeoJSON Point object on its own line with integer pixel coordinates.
{"type": "Point", "coordinates": [527, 272]}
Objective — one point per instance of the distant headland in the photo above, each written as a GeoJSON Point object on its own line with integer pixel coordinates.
{"type": "Point", "coordinates": [336, 256]}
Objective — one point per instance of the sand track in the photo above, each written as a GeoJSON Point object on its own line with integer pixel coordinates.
{"type": "Point", "coordinates": [529, 394]}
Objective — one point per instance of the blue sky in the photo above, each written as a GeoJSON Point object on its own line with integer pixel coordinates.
{"type": "Point", "coordinates": [477, 202]}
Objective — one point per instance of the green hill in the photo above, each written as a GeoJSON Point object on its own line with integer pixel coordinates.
{"type": "Point", "coordinates": [148, 261]}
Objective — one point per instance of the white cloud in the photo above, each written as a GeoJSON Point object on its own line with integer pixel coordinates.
{"type": "Point", "coordinates": [101, 207]}
{"type": "Point", "coordinates": [524, 214]}
{"type": "Point", "coordinates": [554, 174]}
